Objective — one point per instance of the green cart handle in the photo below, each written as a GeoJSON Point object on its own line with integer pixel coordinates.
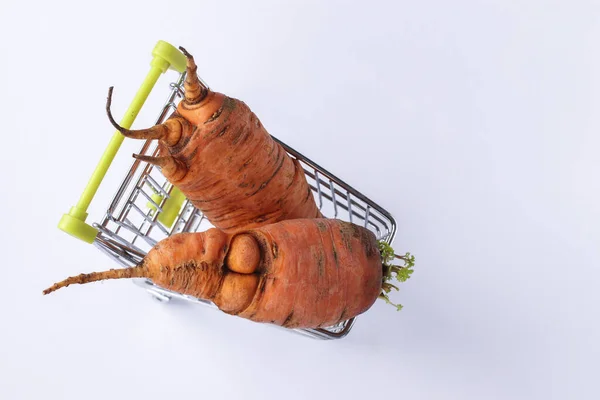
{"type": "Point", "coordinates": [165, 56]}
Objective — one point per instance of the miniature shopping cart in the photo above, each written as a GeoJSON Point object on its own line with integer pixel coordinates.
{"type": "Point", "coordinates": [147, 208]}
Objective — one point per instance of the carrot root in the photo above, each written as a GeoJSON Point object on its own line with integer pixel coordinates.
{"type": "Point", "coordinates": [310, 272]}
{"type": "Point", "coordinates": [174, 168]}
{"type": "Point", "coordinates": [225, 161]}
{"type": "Point", "coordinates": [170, 131]}
{"type": "Point", "coordinates": [138, 271]}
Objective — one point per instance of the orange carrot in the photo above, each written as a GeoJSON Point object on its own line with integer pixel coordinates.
{"type": "Point", "coordinates": [218, 153]}
{"type": "Point", "coordinates": [303, 273]}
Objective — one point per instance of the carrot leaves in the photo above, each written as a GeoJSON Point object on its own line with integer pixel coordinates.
{"type": "Point", "coordinates": [390, 271]}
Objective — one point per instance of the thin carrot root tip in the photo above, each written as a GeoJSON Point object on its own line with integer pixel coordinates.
{"type": "Point", "coordinates": [169, 165]}
{"type": "Point", "coordinates": [162, 131]}
{"type": "Point", "coordinates": [400, 273]}
{"type": "Point", "coordinates": [109, 113]}
{"type": "Point", "coordinates": [185, 52]}
{"type": "Point", "coordinates": [124, 273]}
{"type": "Point", "coordinates": [158, 161]}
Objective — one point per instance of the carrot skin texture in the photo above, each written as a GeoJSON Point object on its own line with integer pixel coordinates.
{"type": "Point", "coordinates": [312, 272]}
{"type": "Point", "coordinates": [238, 176]}
{"type": "Point", "coordinates": [244, 254]}
{"type": "Point", "coordinates": [317, 273]}
{"type": "Point", "coordinates": [189, 263]}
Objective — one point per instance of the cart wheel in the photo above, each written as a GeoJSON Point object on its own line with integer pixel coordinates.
{"type": "Point", "coordinates": [162, 298]}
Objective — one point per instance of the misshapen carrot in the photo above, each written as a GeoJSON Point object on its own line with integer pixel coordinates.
{"type": "Point", "coordinates": [218, 153]}
{"type": "Point", "coordinates": [303, 273]}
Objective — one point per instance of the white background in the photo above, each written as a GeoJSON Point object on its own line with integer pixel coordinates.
{"type": "Point", "coordinates": [476, 123]}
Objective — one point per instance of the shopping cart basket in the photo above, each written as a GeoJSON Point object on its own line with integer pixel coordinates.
{"type": "Point", "coordinates": [147, 208]}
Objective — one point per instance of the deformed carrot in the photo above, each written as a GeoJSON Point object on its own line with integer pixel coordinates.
{"type": "Point", "coordinates": [219, 154]}
{"type": "Point", "coordinates": [303, 273]}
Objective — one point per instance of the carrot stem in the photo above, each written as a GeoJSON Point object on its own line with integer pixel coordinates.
{"type": "Point", "coordinates": [402, 273]}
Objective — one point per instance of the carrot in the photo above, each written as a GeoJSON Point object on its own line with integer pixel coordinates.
{"type": "Point", "coordinates": [303, 273]}
{"type": "Point", "coordinates": [218, 153]}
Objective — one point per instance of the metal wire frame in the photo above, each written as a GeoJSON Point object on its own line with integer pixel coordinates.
{"type": "Point", "coordinates": [131, 227]}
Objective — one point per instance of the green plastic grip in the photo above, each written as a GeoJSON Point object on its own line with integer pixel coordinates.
{"type": "Point", "coordinates": [164, 56]}
{"type": "Point", "coordinates": [171, 207]}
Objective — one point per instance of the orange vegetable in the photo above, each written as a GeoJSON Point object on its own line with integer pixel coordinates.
{"type": "Point", "coordinates": [303, 273]}
{"type": "Point", "coordinates": [218, 153]}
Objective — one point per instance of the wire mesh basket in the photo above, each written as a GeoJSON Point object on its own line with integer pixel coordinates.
{"type": "Point", "coordinates": [136, 219]}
